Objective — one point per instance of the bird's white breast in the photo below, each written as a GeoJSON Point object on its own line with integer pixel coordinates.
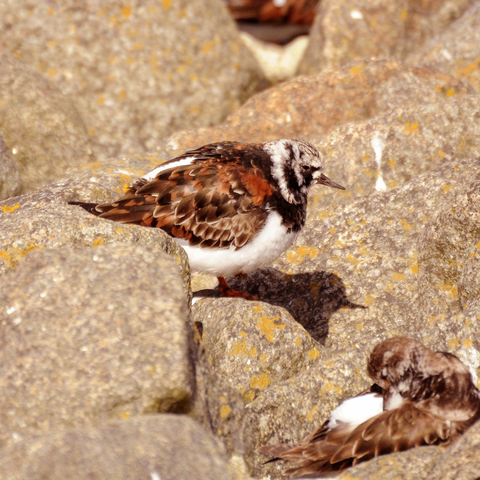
{"type": "Point", "coordinates": [356, 410]}
{"type": "Point", "coordinates": [269, 243]}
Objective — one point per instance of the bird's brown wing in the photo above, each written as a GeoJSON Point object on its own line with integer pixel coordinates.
{"type": "Point", "coordinates": [207, 203]}
{"type": "Point", "coordinates": [391, 431]}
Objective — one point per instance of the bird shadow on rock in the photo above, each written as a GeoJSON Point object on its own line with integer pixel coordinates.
{"type": "Point", "coordinates": [311, 298]}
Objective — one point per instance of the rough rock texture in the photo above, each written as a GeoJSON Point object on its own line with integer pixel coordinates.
{"type": "Point", "coordinates": [42, 128]}
{"type": "Point", "coordinates": [137, 71]}
{"type": "Point", "coordinates": [310, 106]}
{"type": "Point", "coordinates": [462, 460]}
{"type": "Point", "coordinates": [386, 151]}
{"type": "Point", "coordinates": [410, 465]}
{"type": "Point", "coordinates": [254, 345]}
{"type": "Point", "coordinates": [10, 183]}
{"type": "Point", "coordinates": [456, 50]}
{"type": "Point", "coordinates": [44, 219]}
{"type": "Point", "coordinates": [90, 335]}
{"type": "Point", "coordinates": [150, 447]}
{"type": "Point", "coordinates": [348, 29]}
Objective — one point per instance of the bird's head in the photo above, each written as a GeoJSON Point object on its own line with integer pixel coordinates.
{"type": "Point", "coordinates": [296, 166]}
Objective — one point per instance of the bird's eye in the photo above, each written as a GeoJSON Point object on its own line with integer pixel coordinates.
{"type": "Point", "coordinates": [306, 167]}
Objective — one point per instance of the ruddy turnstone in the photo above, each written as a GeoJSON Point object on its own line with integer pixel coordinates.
{"type": "Point", "coordinates": [420, 397]}
{"type": "Point", "coordinates": [234, 207]}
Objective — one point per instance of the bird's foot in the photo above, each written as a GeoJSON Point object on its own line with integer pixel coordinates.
{"type": "Point", "coordinates": [227, 291]}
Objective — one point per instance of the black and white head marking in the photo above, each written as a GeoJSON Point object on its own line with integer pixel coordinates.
{"type": "Point", "coordinates": [296, 166]}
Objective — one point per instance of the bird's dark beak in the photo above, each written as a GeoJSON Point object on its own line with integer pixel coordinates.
{"type": "Point", "coordinates": [324, 180]}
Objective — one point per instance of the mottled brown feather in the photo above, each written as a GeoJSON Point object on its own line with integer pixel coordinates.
{"type": "Point", "coordinates": [211, 203]}
{"type": "Point", "coordinates": [440, 403]}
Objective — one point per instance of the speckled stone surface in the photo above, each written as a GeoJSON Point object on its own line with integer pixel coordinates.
{"type": "Point", "coordinates": [137, 71]}
{"type": "Point", "coordinates": [252, 344]}
{"type": "Point", "coordinates": [42, 128]}
{"type": "Point", "coordinates": [91, 335]}
{"type": "Point", "coordinates": [445, 247]}
{"type": "Point", "coordinates": [462, 460]}
{"type": "Point", "coordinates": [456, 50]}
{"type": "Point", "coordinates": [349, 29]}
{"type": "Point", "coordinates": [413, 464]}
{"type": "Point", "coordinates": [310, 106]}
{"type": "Point", "coordinates": [150, 447]}
{"type": "Point", "coordinates": [43, 219]}
{"type": "Point", "coordinates": [10, 183]}
{"type": "Point", "coordinates": [392, 148]}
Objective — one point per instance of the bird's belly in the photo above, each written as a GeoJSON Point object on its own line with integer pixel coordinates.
{"type": "Point", "coordinates": [262, 250]}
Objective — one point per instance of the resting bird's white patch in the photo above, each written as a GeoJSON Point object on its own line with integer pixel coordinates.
{"type": "Point", "coordinates": [356, 410]}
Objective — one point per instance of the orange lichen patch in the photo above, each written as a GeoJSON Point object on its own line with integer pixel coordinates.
{"type": "Point", "coordinates": [268, 326]}
{"type": "Point", "coordinates": [465, 71]}
{"type": "Point", "coordinates": [391, 162]}
{"type": "Point", "coordinates": [243, 333]}
{"type": "Point", "coordinates": [350, 258]}
{"type": "Point", "coordinates": [414, 267]}
{"type": "Point", "coordinates": [467, 343]}
{"type": "Point", "coordinates": [441, 153]}
{"type": "Point", "coordinates": [398, 277]}
{"type": "Point", "coordinates": [257, 308]}
{"type": "Point", "coordinates": [446, 188]}
{"type": "Point", "coordinates": [14, 255]}
{"type": "Point", "coordinates": [240, 348]}
{"type": "Point", "coordinates": [468, 322]}
{"type": "Point", "coordinates": [8, 208]}
{"type": "Point", "coordinates": [260, 382]}
{"type": "Point", "coordinates": [225, 411]}
{"type": "Point", "coordinates": [450, 289]}
{"type": "Point", "coordinates": [124, 415]}
{"type": "Point", "coordinates": [207, 47]}
{"type": "Point", "coordinates": [405, 225]}
{"type": "Point", "coordinates": [356, 70]}
{"type": "Point", "coordinates": [404, 14]}
{"type": "Point", "coordinates": [313, 353]}
{"type": "Point", "coordinates": [98, 241]}
{"type": "Point", "coordinates": [329, 387]}
{"type": "Point", "coordinates": [167, 4]}
{"type": "Point", "coordinates": [311, 414]}
{"type": "Point", "coordinates": [263, 359]}
{"type": "Point", "coordinates": [411, 127]}
{"type": "Point", "coordinates": [249, 396]}
{"type": "Point", "coordinates": [359, 326]}
{"type": "Point", "coordinates": [331, 230]}
{"type": "Point", "coordinates": [297, 341]}
{"type": "Point", "coordinates": [454, 343]}
{"type": "Point", "coordinates": [325, 214]}
{"type": "Point", "coordinates": [126, 11]}
{"type": "Point", "coordinates": [300, 253]}
{"type": "Point", "coordinates": [368, 300]}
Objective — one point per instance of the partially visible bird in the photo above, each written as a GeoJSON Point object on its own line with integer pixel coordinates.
{"type": "Point", "coordinates": [420, 397]}
{"type": "Point", "coordinates": [234, 207]}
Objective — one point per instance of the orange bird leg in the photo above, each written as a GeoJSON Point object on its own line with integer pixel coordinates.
{"type": "Point", "coordinates": [227, 291]}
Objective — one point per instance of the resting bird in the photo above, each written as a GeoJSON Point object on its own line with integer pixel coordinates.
{"type": "Point", "coordinates": [234, 207]}
{"type": "Point", "coordinates": [420, 397]}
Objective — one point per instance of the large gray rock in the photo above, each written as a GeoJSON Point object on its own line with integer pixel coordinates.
{"type": "Point", "coordinates": [413, 464]}
{"type": "Point", "coordinates": [462, 460]}
{"type": "Point", "coordinates": [136, 72]}
{"type": "Point", "coordinates": [90, 335]}
{"type": "Point", "coordinates": [10, 183]}
{"type": "Point", "coordinates": [42, 128]}
{"type": "Point", "coordinates": [348, 29]}
{"type": "Point", "coordinates": [44, 219]}
{"type": "Point", "coordinates": [150, 447]}
{"type": "Point", "coordinates": [311, 106]}
{"type": "Point", "coordinates": [455, 50]}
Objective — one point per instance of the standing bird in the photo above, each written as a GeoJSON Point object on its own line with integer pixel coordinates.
{"type": "Point", "coordinates": [420, 397]}
{"type": "Point", "coordinates": [234, 207]}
